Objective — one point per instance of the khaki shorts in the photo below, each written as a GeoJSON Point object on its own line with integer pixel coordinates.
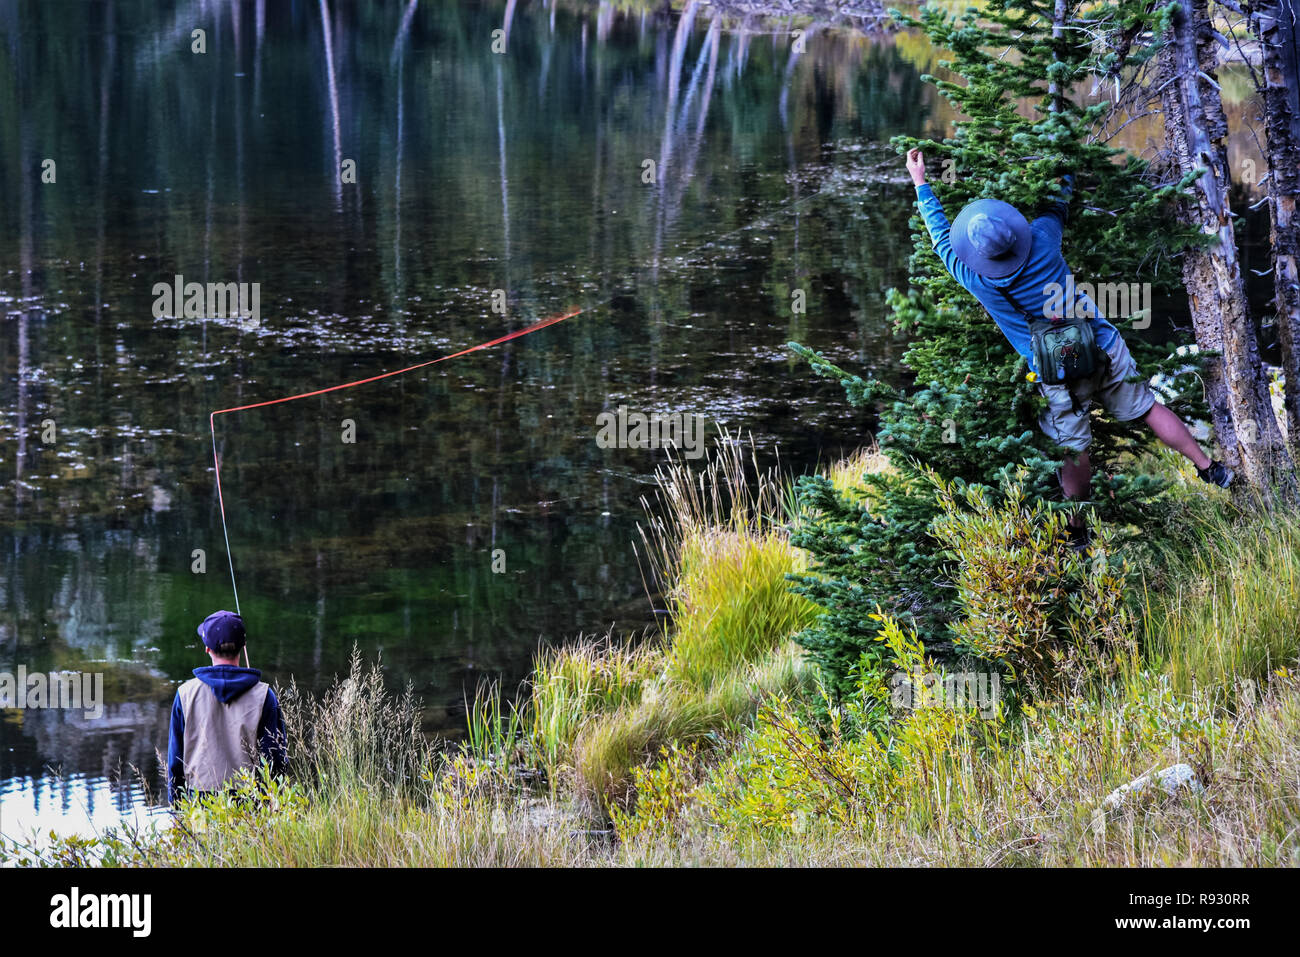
{"type": "Point", "coordinates": [1067, 423]}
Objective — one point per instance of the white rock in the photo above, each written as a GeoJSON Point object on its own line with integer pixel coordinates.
{"type": "Point", "coordinates": [1171, 779]}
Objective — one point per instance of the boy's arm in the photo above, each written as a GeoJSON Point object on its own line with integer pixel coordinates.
{"type": "Point", "coordinates": [936, 222]}
{"type": "Point", "coordinates": [176, 752]}
{"type": "Point", "coordinates": [271, 737]}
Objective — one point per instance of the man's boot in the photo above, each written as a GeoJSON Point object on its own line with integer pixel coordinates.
{"type": "Point", "coordinates": [1216, 473]}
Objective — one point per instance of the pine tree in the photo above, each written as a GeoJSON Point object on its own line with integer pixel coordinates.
{"type": "Point", "coordinates": [971, 415]}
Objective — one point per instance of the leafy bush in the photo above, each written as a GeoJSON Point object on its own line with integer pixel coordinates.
{"type": "Point", "coordinates": [789, 772]}
{"type": "Point", "coordinates": [663, 790]}
{"type": "Point", "coordinates": [1050, 616]}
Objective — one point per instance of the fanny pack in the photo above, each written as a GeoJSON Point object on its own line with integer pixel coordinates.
{"type": "Point", "coordinates": [1065, 350]}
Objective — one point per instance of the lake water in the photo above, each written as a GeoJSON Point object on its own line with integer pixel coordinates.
{"type": "Point", "coordinates": [684, 181]}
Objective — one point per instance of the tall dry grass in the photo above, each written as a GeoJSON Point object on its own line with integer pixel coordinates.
{"type": "Point", "coordinates": [1230, 610]}
{"type": "Point", "coordinates": [716, 549]}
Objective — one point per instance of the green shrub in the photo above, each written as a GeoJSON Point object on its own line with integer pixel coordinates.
{"type": "Point", "coordinates": [663, 790]}
{"type": "Point", "coordinates": [1050, 616]}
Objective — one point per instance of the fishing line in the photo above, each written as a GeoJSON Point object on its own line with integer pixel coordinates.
{"type": "Point", "coordinates": [212, 426]}
{"type": "Point", "coordinates": [535, 327]}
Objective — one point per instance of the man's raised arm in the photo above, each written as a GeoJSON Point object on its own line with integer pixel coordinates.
{"type": "Point", "coordinates": [935, 220]}
{"type": "Point", "coordinates": [1057, 215]}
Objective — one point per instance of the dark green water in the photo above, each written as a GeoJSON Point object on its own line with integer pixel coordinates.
{"type": "Point", "coordinates": [475, 171]}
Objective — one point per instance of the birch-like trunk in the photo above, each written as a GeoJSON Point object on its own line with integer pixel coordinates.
{"type": "Point", "coordinates": [1236, 386]}
{"type": "Point", "coordinates": [1273, 21]}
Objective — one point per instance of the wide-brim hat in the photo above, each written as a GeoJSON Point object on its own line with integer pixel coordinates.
{"type": "Point", "coordinates": [991, 237]}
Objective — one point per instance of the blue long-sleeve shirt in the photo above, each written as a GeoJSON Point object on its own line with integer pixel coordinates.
{"type": "Point", "coordinates": [1030, 287]}
{"type": "Point", "coordinates": [227, 682]}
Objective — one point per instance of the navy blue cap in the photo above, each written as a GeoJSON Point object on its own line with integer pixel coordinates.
{"type": "Point", "coordinates": [222, 627]}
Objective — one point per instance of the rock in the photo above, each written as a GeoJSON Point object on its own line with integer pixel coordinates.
{"type": "Point", "coordinates": [540, 813]}
{"type": "Point", "coordinates": [1177, 777]}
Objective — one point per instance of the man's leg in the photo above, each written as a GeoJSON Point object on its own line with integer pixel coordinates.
{"type": "Point", "coordinates": [1076, 475]}
{"type": "Point", "coordinates": [1065, 421]}
{"type": "Point", "coordinates": [1076, 481]}
{"type": "Point", "coordinates": [1128, 399]}
{"type": "Point", "coordinates": [1170, 430]}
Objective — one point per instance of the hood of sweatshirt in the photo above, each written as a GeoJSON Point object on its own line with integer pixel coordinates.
{"type": "Point", "coordinates": [228, 682]}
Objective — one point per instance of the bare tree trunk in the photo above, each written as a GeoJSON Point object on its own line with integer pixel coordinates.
{"type": "Point", "coordinates": [1237, 389]}
{"type": "Point", "coordinates": [1058, 31]}
{"type": "Point", "coordinates": [1274, 23]}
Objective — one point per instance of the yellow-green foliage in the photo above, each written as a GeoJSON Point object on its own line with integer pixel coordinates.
{"type": "Point", "coordinates": [610, 744]}
{"type": "Point", "coordinates": [950, 787]}
{"type": "Point", "coordinates": [786, 773]}
{"type": "Point", "coordinates": [581, 679]}
{"type": "Point", "coordinates": [1049, 615]}
{"type": "Point", "coordinates": [731, 602]}
{"type": "Point", "coordinates": [663, 790]}
{"type": "Point", "coordinates": [716, 549]}
{"type": "Point", "coordinates": [946, 785]}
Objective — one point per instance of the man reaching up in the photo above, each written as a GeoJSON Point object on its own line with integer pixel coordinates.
{"type": "Point", "coordinates": [1009, 265]}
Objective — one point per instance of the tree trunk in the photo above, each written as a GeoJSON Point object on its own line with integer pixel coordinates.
{"type": "Point", "coordinates": [1058, 31]}
{"type": "Point", "coordinates": [1274, 23]}
{"type": "Point", "coordinates": [1237, 388]}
